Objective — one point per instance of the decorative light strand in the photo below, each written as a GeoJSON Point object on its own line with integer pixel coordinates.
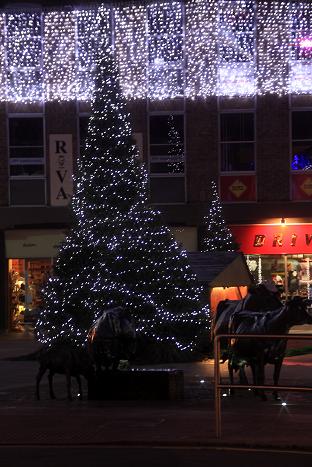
{"type": "Point", "coordinates": [236, 58]}
{"type": "Point", "coordinates": [273, 30]}
{"type": "Point", "coordinates": [24, 57]}
{"type": "Point", "coordinates": [93, 29]}
{"type": "Point", "coordinates": [131, 50]}
{"type": "Point", "coordinates": [163, 50]}
{"type": "Point", "coordinates": [60, 69]}
{"type": "Point", "coordinates": [201, 23]}
{"type": "Point", "coordinates": [3, 47]}
{"type": "Point", "coordinates": [301, 64]}
{"type": "Point", "coordinates": [218, 236]}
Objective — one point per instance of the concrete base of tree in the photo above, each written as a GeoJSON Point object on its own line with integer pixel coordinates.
{"type": "Point", "coordinates": [137, 384]}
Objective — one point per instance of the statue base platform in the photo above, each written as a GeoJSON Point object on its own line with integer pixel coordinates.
{"type": "Point", "coordinates": [137, 384]}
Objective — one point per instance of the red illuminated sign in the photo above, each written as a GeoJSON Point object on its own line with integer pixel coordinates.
{"type": "Point", "coordinates": [273, 239]}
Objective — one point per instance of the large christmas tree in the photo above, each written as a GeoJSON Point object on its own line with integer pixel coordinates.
{"type": "Point", "coordinates": [118, 252]}
{"type": "Point", "coordinates": [217, 235]}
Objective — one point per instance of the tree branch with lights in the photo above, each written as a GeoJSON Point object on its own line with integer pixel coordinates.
{"type": "Point", "coordinates": [217, 235]}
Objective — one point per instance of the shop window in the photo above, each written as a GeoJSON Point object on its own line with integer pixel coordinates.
{"type": "Point", "coordinates": [26, 278]}
{"type": "Point", "coordinates": [26, 161]}
{"type": "Point", "coordinates": [292, 274]}
{"type": "Point", "coordinates": [299, 275]}
{"type": "Point", "coordinates": [237, 145]}
{"type": "Point", "coordinates": [166, 158]}
{"type": "Point", "coordinates": [301, 140]}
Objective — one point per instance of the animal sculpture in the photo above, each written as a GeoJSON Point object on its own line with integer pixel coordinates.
{"type": "Point", "coordinates": [112, 338]}
{"type": "Point", "coordinates": [65, 358]}
{"type": "Point", "coordinates": [259, 352]}
{"type": "Point", "coordinates": [260, 298]}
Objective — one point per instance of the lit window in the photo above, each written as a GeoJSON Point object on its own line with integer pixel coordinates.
{"type": "Point", "coordinates": [301, 140]}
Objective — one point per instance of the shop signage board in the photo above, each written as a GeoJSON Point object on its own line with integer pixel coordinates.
{"type": "Point", "coordinates": [61, 169]}
{"type": "Point", "coordinates": [263, 239]}
{"type": "Point", "coordinates": [238, 188]}
{"type": "Point", "coordinates": [33, 243]}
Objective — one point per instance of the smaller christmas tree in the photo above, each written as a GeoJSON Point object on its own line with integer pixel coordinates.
{"type": "Point", "coordinates": [176, 149]}
{"type": "Point", "coordinates": [217, 236]}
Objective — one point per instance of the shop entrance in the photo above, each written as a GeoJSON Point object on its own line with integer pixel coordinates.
{"type": "Point", "coordinates": [26, 278]}
{"type": "Point", "coordinates": [292, 274]}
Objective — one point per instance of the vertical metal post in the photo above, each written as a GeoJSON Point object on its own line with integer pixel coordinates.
{"type": "Point", "coordinates": [217, 388]}
{"type": "Point", "coordinates": [286, 277]}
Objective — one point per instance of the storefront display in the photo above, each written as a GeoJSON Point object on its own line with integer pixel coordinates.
{"type": "Point", "coordinates": [30, 255]}
{"type": "Point", "coordinates": [26, 278]}
{"type": "Point", "coordinates": [279, 253]}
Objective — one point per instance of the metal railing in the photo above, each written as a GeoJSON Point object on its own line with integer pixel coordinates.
{"type": "Point", "coordinates": [217, 375]}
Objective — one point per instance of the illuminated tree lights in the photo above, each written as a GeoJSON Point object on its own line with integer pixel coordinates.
{"type": "Point", "coordinates": [117, 252]}
{"type": "Point", "coordinates": [163, 49]}
{"type": "Point", "coordinates": [217, 235]}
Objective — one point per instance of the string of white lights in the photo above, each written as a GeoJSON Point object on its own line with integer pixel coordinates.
{"type": "Point", "coordinates": [201, 48]}
{"type": "Point", "coordinates": [273, 29]}
{"type": "Point", "coordinates": [2, 58]}
{"type": "Point", "coordinates": [60, 69]}
{"type": "Point", "coordinates": [163, 49]}
{"type": "Point", "coordinates": [131, 50]}
{"type": "Point", "coordinates": [301, 47]}
{"type": "Point", "coordinates": [93, 27]}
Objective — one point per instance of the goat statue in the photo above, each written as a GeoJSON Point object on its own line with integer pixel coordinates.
{"type": "Point", "coordinates": [65, 358]}
{"type": "Point", "coordinates": [111, 338]}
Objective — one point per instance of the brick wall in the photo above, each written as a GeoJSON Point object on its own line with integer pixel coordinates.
{"type": "Point", "coordinates": [4, 189]}
{"type": "Point", "coordinates": [201, 148]}
{"type": "Point", "coordinates": [273, 148]}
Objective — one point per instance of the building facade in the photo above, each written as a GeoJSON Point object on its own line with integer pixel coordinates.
{"type": "Point", "coordinates": [217, 90]}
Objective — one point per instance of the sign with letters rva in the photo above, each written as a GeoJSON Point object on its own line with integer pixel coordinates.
{"type": "Point", "coordinates": [61, 169]}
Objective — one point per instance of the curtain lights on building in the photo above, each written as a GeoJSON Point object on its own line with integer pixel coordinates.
{"type": "Point", "coordinates": [163, 50]}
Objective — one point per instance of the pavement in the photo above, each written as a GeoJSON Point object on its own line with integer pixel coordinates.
{"type": "Point", "coordinates": [247, 421]}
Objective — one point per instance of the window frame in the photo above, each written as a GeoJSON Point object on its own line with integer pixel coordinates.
{"type": "Point", "coordinates": [298, 140]}
{"type": "Point", "coordinates": [253, 142]}
{"type": "Point", "coordinates": [42, 176]}
{"type": "Point", "coordinates": [156, 175]}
